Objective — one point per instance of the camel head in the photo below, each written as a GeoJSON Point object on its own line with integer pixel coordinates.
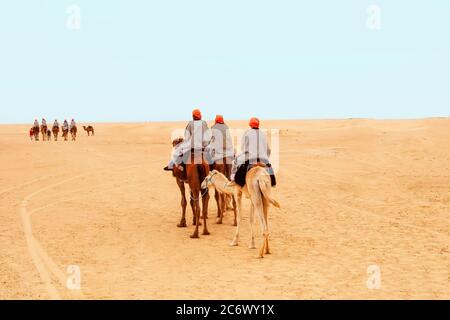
{"type": "Point", "coordinates": [177, 141]}
{"type": "Point", "coordinates": [207, 182]}
{"type": "Point", "coordinates": [219, 182]}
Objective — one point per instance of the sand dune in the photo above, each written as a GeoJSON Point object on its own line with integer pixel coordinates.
{"type": "Point", "coordinates": [354, 193]}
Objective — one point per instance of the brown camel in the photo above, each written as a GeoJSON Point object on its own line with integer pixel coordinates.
{"type": "Point", "coordinates": [44, 132]}
{"type": "Point", "coordinates": [36, 133]}
{"type": "Point", "coordinates": [193, 174]}
{"type": "Point", "coordinates": [55, 131]}
{"type": "Point", "coordinates": [258, 188]}
{"type": "Point", "coordinates": [89, 130]}
{"type": "Point", "coordinates": [224, 167]}
{"type": "Point", "coordinates": [65, 133]}
{"type": "Point", "coordinates": [73, 132]}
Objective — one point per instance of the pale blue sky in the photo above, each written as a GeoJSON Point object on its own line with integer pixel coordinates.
{"type": "Point", "coordinates": [146, 60]}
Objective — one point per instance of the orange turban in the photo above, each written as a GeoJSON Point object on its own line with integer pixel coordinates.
{"type": "Point", "coordinates": [219, 119]}
{"type": "Point", "coordinates": [196, 114]}
{"type": "Point", "coordinates": [254, 123]}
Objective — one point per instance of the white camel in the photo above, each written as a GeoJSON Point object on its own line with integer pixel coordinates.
{"type": "Point", "coordinates": [258, 188]}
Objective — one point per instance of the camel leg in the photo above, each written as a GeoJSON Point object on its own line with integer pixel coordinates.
{"type": "Point", "coordinates": [196, 214]}
{"type": "Point", "coordinates": [223, 203]}
{"type": "Point", "coordinates": [229, 202]}
{"type": "Point", "coordinates": [259, 211]}
{"type": "Point", "coordinates": [192, 203]}
{"type": "Point", "coordinates": [218, 197]}
{"type": "Point", "coordinates": [267, 250]}
{"type": "Point", "coordinates": [266, 230]}
{"type": "Point", "coordinates": [237, 211]}
{"type": "Point", "coordinates": [205, 201]}
{"type": "Point", "coordinates": [182, 223]}
{"type": "Point", "coordinates": [252, 218]}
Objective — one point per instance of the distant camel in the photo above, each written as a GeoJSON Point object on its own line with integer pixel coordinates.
{"type": "Point", "coordinates": [258, 187]}
{"type": "Point", "coordinates": [193, 175]}
{"type": "Point", "coordinates": [224, 167]}
{"type": "Point", "coordinates": [44, 132]}
{"type": "Point", "coordinates": [49, 135]}
{"type": "Point", "coordinates": [55, 130]}
{"type": "Point", "coordinates": [34, 133]}
{"type": "Point", "coordinates": [73, 132]}
{"type": "Point", "coordinates": [65, 133]}
{"type": "Point", "coordinates": [89, 129]}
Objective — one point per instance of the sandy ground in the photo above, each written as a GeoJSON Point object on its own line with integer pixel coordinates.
{"type": "Point", "coordinates": [354, 193]}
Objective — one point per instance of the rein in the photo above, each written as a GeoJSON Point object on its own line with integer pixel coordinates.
{"type": "Point", "coordinates": [209, 181]}
{"type": "Point", "coordinates": [202, 194]}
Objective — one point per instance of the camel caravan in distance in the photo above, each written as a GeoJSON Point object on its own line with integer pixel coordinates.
{"type": "Point", "coordinates": [66, 128]}
{"type": "Point", "coordinates": [205, 159]}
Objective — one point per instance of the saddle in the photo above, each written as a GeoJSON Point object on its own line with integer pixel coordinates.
{"type": "Point", "coordinates": [180, 174]}
{"type": "Point", "coordinates": [241, 173]}
{"type": "Point", "coordinates": [197, 158]}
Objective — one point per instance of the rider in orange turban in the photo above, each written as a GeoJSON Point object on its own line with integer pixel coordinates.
{"type": "Point", "coordinates": [196, 114]}
{"type": "Point", "coordinates": [254, 123]}
{"type": "Point", "coordinates": [219, 119]}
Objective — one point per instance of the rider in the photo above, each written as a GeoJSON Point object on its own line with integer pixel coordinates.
{"type": "Point", "coordinates": [36, 124]}
{"type": "Point", "coordinates": [44, 122]}
{"type": "Point", "coordinates": [73, 124]}
{"type": "Point", "coordinates": [56, 124]}
{"type": "Point", "coordinates": [197, 136]}
{"type": "Point", "coordinates": [65, 125]}
{"type": "Point", "coordinates": [221, 143]}
{"type": "Point", "coordinates": [254, 149]}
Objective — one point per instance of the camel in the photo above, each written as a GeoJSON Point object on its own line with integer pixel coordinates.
{"type": "Point", "coordinates": [44, 132]}
{"type": "Point", "coordinates": [65, 133]}
{"type": "Point", "coordinates": [258, 188]}
{"type": "Point", "coordinates": [55, 131]}
{"type": "Point", "coordinates": [89, 129]}
{"type": "Point", "coordinates": [73, 132]}
{"type": "Point", "coordinates": [49, 135]}
{"type": "Point", "coordinates": [222, 199]}
{"type": "Point", "coordinates": [193, 175]}
{"type": "Point", "coordinates": [35, 131]}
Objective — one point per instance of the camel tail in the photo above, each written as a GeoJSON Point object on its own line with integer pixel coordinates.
{"type": "Point", "coordinates": [264, 186]}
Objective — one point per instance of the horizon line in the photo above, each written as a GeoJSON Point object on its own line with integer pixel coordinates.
{"type": "Point", "coordinates": [263, 119]}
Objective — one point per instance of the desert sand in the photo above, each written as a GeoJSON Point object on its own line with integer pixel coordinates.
{"type": "Point", "coordinates": [354, 193]}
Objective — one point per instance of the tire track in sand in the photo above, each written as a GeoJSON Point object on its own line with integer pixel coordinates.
{"type": "Point", "coordinates": [43, 263]}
